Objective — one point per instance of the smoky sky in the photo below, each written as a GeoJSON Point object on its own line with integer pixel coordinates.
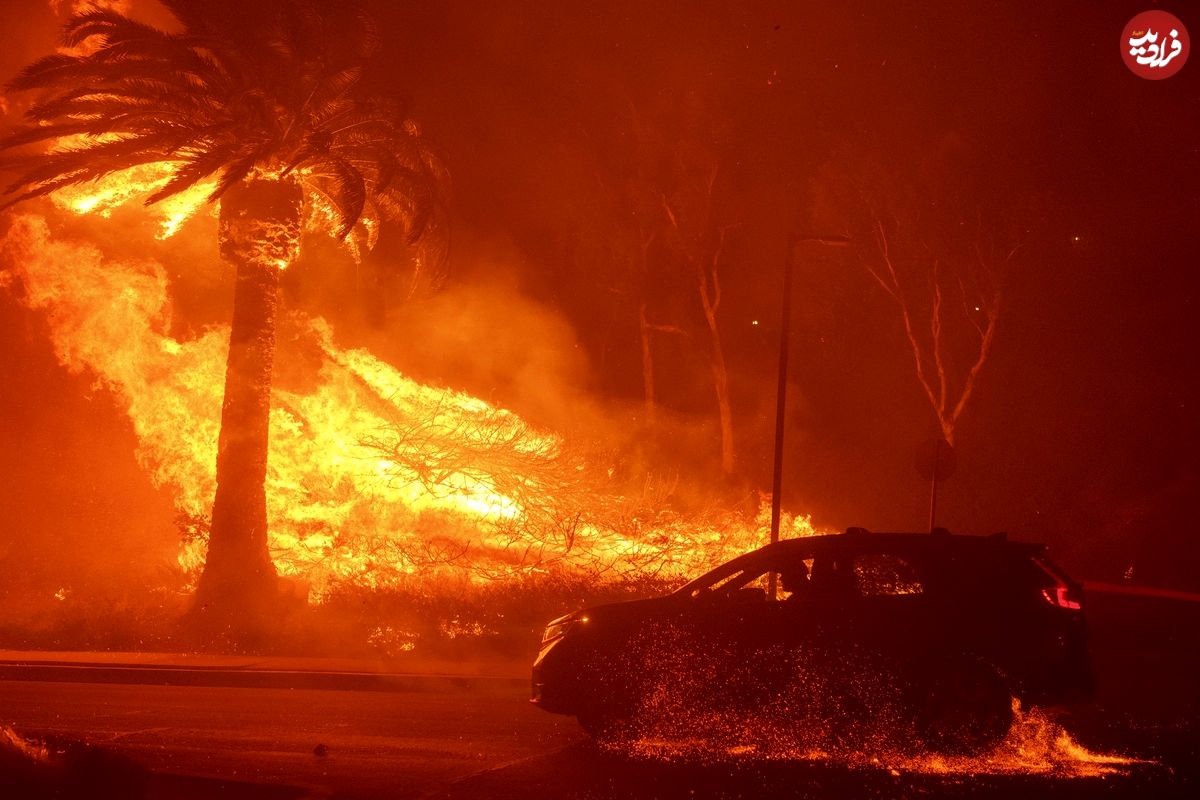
{"type": "Point", "coordinates": [1082, 431]}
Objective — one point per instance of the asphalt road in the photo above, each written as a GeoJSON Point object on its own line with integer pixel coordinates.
{"type": "Point", "coordinates": [321, 742]}
{"type": "Point", "coordinates": [263, 731]}
{"type": "Point", "coordinates": [480, 739]}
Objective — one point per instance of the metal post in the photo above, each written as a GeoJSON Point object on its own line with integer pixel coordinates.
{"type": "Point", "coordinates": [781, 390]}
{"type": "Point", "coordinates": [781, 405]}
{"type": "Point", "coordinates": [933, 482]}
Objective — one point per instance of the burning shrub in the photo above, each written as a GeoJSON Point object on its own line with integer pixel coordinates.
{"type": "Point", "coordinates": [446, 506]}
{"type": "Point", "coordinates": [138, 618]}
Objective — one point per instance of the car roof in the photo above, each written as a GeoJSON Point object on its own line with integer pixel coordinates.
{"type": "Point", "coordinates": [860, 540]}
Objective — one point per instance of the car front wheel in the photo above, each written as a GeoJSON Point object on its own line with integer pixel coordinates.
{"type": "Point", "coordinates": [963, 706]}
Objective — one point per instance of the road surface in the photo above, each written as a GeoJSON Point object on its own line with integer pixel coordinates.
{"type": "Point", "coordinates": [458, 739]}
{"type": "Point", "coordinates": [322, 742]}
{"type": "Point", "coordinates": [204, 727]}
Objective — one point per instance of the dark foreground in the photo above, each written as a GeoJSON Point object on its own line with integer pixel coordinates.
{"type": "Point", "coordinates": [479, 741]}
{"type": "Point", "coordinates": [113, 734]}
{"type": "Point", "coordinates": [263, 742]}
{"type": "Point", "coordinates": [583, 771]}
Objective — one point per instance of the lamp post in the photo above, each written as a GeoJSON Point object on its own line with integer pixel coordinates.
{"type": "Point", "coordinates": [781, 391]}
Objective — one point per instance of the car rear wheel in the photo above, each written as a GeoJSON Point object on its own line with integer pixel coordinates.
{"type": "Point", "coordinates": [605, 726]}
{"type": "Point", "coordinates": [964, 707]}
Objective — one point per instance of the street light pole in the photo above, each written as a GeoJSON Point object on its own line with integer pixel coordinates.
{"type": "Point", "coordinates": [785, 328]}
{"type": "Point", "coordinates": [781, 390]}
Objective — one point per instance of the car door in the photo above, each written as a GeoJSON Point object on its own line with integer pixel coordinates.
{"type": "Point", "coordinates": [885, 625]}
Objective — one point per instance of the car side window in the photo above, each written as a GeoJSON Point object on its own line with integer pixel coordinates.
{"type": "Point", "coordinates": [723, 585]}
{"type": "Point", "coordinates": [793, 579]}
{"type": "Point", "coordinates": [885, 575]}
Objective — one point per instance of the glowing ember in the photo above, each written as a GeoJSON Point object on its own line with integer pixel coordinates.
{"type": "Point", "coordinates": [695, 711]}
{"type": "Point", "coordinates": [1035, 745]}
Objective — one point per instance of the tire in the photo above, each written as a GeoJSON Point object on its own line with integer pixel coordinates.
{"type": "Point", "coordinates": [964, 707]}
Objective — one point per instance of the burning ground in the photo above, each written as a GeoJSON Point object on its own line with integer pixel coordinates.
{"type": "Point", "coordinates": [376, 481]}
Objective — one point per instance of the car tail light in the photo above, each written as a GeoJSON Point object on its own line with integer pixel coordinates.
{"type": "Point", "coordinates": [1061, 596]}
{"type": "Point", "coordinates": [1060, 593]}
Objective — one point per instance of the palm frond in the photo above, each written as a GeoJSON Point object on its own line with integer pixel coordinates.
{"type": "Point", "coordinates": [29, 134]}
{"type": "Point", "coordinates": [437, 175]}
{"type": "Point", "coordinates": [334, 86]}
{"type": "Point", "coordinates": [321, 115]}
{"type": "Point", "coordinates": [43, 189]}
{"type": "Point", "coordinates": [111, 25]}
{"type": "Point", "coordinates": [345, 186]}
{"type": "Point", "coordinates": [237, 169]}
{"type": "Point", "coordinates": [306, 152]}
{"type": "Point", "coordinates": [272, 84]}
{"type": "Point", "coordinates": [45, 71]}
{"type": "Point", "coordinates": [413, 209]}
{"type": "Point", "coordinates": [68, 72]}
{"type": "Point", "coordinates": [194, 169]}
{"type": "Point", "coordinates": [96, 160]}
{"type": "Point", "coordinates": [161, 50]}
{"type": "Point", "coordinates": [86, 105]}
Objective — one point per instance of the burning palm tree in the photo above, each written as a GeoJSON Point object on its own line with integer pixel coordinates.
{"type": "Point", "coordinates": [263, 99]}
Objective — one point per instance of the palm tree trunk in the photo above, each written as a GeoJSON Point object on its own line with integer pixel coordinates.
{"type": "Point", "coordinates": [260, 231]}
{"type": "Point", "coordinates": [238, 561]}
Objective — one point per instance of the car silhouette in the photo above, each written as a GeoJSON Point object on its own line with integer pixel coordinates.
{"type": "Point", "coordinates": [927, 637]}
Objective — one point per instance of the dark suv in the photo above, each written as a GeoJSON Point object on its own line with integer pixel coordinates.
{"type": "Point", "coordinates": [930, 636]}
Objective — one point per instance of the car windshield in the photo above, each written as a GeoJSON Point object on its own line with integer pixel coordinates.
{"type": "Point", "coordinates": [752, 571]}
{"type": "Point", "coordinates": [730, 576]}
{"type": "Point", "coordinates": [863, 574]}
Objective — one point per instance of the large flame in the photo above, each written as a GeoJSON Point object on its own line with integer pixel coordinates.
{"type": "Point", "coordinates": [372, 477]}
{"type": "Point", "coordinates": [104, 195]}
{"type": "Point", "coordinates": [112, 191]}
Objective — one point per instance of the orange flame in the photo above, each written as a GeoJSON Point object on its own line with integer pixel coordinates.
{"type": "Point", "coordinates": [1035, 744]}
{"type": "Point", "coordinates": [112, 191]}
{"type": "Point", "coordinates": [372, 477]}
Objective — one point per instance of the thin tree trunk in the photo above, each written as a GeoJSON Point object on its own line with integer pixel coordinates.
{"type": "Point", "coordinates": [710, 301]}
{"type": "Point", "coordinates": [721, 388]}
{"type": "Point", "coordinates": [646, 332]}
